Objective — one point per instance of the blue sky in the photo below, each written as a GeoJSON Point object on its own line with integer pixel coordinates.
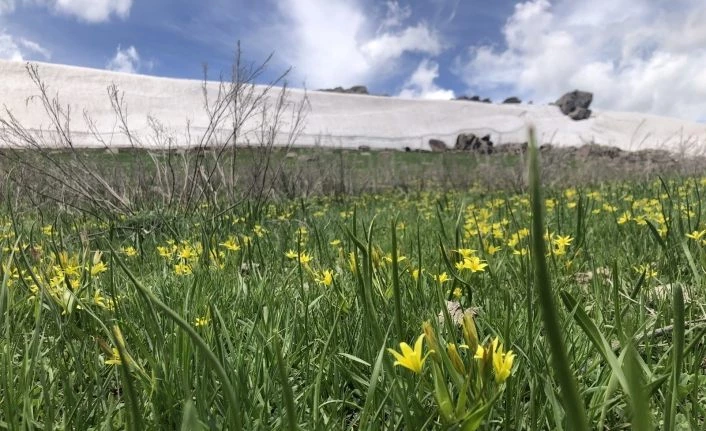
{"type": "Point", "coordinates": [635, 55]}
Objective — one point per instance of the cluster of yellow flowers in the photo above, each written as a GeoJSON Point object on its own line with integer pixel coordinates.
{"type": "Point", "coordinates": [476, 377]}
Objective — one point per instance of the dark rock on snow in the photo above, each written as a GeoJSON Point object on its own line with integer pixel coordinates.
{"type": "Point", "coordinates": [575, 104]}
{"type": "Point", "coordinates": [580, 114]}
{"type": "Point", "coordinates": [471, 142]}
{"type": "Point", "coordinates": [437, 145]}
{"type": "Point", "coordinates": [356, 89]}
{"type": "Point", "coordinates": [512, 99]}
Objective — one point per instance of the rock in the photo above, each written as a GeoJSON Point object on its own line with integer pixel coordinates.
{"type": "Point", "coordinates": [456, 312]}
{"type": "Point", "coordinates": [356, 89]}
{"type": "Point", "coordinates": [594, 150]}
{"type": "Point", "coordinates": [291, 155]}
{"type": "Point", "coordinates": [516, 148]}
{"type": "Point", "coordinates": [513, 100]}
{"type": "Point", "coordinates": [364, 148]}
{"type": "Point", "coordinates": [580, 114]}
{"type": "Point", "coordinates": [487, 100]}
{"type": "Point", "coordinates": [473, 98]}
{"type": "Point", "coordinates": [437, 145]}
{"type": "Point", "coordinates": [471, 142]}
{"type": "Point", "coordinates": [574, 99]}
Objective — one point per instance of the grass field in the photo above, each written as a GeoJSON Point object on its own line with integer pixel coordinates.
{"type": "Point", "coordinates": [286, 316]}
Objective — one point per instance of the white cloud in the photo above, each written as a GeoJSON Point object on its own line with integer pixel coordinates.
{"type": "Point", "coordinates": [334, 42]}
{"type": "Point", "coordinates": [390, 46]}
{"type": "Point", "coordinates": [19, 49]}
{"type": "Point", "coordinates": [9, 49]}
{"type": "Point", "coordinates": [125, 60]}
{"type": "Point", "coordinates": [7, 6]}
{"type": "Point", "coordinates": [635, 55]}
{"type": "Point", "coordinates": [91, 11]}
{"type": "Point", "coordinates": [34, 47]}
{"type": "Point", "coordinates": [421, 84]}
{"type": "Point", "coordinates": [396, 15]}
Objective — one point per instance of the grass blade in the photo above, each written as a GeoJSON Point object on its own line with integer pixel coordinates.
{"type": "Point", "coordinates": [576, 413]}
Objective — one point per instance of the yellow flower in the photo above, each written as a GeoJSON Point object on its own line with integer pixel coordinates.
{"type": "Point", "coordinates": [230, 244]}
{"type": "Point", "coordinates": [410, 358]}
{"type": "Point", "coordinates": [492, 249]}
{"type": "Point", "coordinates": [443, 277]}
{"type": "Point", "coordinates": [182, 269]}
{"type": "Point", "coordinates": [129, 251]}
{"type": "Point", "coordinates": [696, 235]}
{"type": "Point", "coordinates": [304, 258]}
{"type": "Point", "coordinates": [335, 242]}
{"type": "Point", "coordinates": [626, 217]}
{"type": "Point", "coordinates": [457, 293]}
{"type": "Point", "coordinates": [474, 263]}
{"type": "Point", "coordinates": [187, 252]}
{"type": "Point", "coordinates": [325, 278]}
{"type": "Point", "coordinates": [562, 241]}
{"type": "Point", "coordinates": [291, 254]}
{"type": "Point", "coordinates": [101, 300]}
{"type": "Point", "coordinates": [98, 268]}
{"type": "Point", "coordinates": [480, 352]}
{"type": "Point", "coordinates": [201, 321]}
{"type": "Point", "coordinates": [521, 252]}
{"type": "Point", "coordinates": [115, 359]}
{"type": "Point", "coordinates": [166, 252]}
{"type": "Point", "coordinates": [502, 362]}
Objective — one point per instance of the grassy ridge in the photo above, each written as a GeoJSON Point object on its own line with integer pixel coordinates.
{"type": "Point", "coordinates": [281, 318]}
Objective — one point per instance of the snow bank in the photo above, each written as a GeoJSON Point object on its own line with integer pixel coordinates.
{"type": "Point", "coordinates": [334, 120]}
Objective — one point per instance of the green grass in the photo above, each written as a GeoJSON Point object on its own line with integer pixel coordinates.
{"type": "Point", "coordinates": [253, 339]}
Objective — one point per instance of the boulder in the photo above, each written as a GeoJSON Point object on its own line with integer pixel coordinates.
{"type": "Point", "coordinates": [437, 145]}
{"type": "Point", "coordinates": [513, 100]}
{"type": "Point", "coordinates": [574, 100]}
{"type": "Point", "coordinates": [579, 114]}
{"type": "Point", "coordinates": [364, 148]}
{"type": "Point", "coordinates": [471, 142]}
{"type": "Point", "coordinates": [487, 100]}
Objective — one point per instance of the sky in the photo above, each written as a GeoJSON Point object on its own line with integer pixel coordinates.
{"type": "Point", "coordinates": [634, 55]}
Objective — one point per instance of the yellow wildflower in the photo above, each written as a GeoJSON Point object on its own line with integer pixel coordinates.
{"type": "Point", "coordinates": [115, 359]}
{"type": "Point", "coordinates": [325, 278]}
{"type": "Point", "coordinates": [201, 321]}
{"type": "Point", "coordinates": [129, 251]}
{"type": "Point", "coordinates": [230, 244]}
{"type": "Point", "coordinates": [502, 362]}
{"type": "Point", "coordinates": [410, 358]}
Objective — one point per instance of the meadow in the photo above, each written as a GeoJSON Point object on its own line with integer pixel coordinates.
{"type": "Point", "coordinates": [553, 308]}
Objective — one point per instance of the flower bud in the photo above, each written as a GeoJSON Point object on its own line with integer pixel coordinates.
{"type": "Point", "coordinates": [455, 358]}
{"type": "Point", "coordinates": [470, 334]}
{"type": "Point", "coordinates": [430, 337]}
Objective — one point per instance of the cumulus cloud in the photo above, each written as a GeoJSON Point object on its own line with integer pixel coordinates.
{"type": "Point", "coordinates": [125, 60]}
{"type": "Point", "coordinates": [421, 84]}
{"type": "Point", "coordinates": [334, 42]}
{"type": "Point", "coordinates": [19, 49]}
{"type": "Point", "coordinates": [635, 55]}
